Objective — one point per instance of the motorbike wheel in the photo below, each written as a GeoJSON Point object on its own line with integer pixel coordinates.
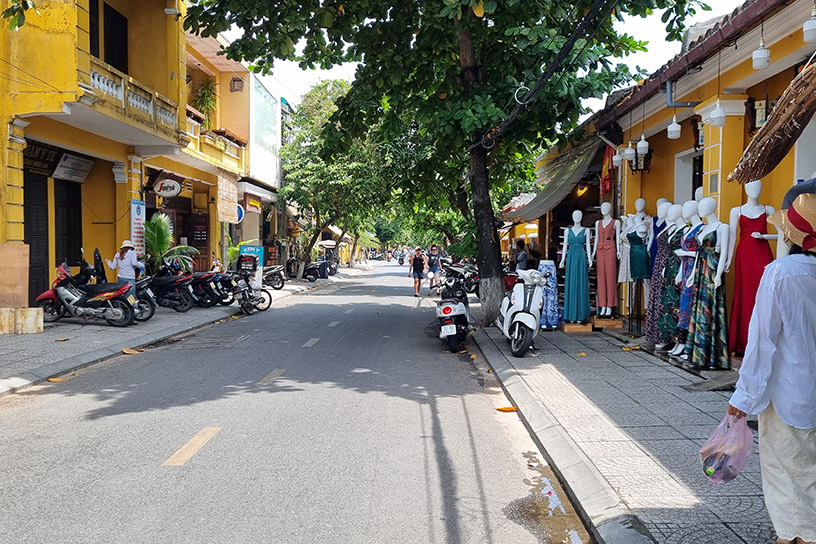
{"type": "Point", "coordinates": [311, 277]}
{"type": "Point", "coordinates": [206, 299]}
{"type": "Point", "coordinates": [476, 290]}
{"type": "Point", "coordinates": [52, 310]}
{"type": "Point", "coordinates": [227, 299]}
{"type": "Point", "coordinates": [246, 306]}
{"type": "Point", "coordinates": [186, 302]}
{"type": "Point", "coordinates": [127, 313]}
{"type": "Point", "coordinates": [264, 302]}
{"type": "Point", "coordinates": [453, 343]}
{"type": "Point", "coordinates": [277, 282]}
{"type": "Point", "coordinates": [521, 341]}
{"type": "Point", "coordinates": [144, 308]}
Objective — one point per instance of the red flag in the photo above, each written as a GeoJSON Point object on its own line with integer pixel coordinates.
{"type": "Point", "coordinates": [607, 171]}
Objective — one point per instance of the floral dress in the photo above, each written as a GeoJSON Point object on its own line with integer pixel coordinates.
{"type": "Point", "coordinates": [707, 342]}
{"type": "Point", "coordinates": [656, 287]}
{"type": "Point", "coordinates": [688, 242]}
{"type": "Point", "coordinates": [669, 307]}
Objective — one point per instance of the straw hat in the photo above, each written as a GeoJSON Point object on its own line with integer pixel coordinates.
{"type": "Point", "coordinates": [798, 223]}
{"type": "Point", "coordinates": [126, 243]}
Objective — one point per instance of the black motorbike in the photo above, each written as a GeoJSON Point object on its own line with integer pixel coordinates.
{"type": "Point", "coordinates": [273, 277]}
{"type": "Point", "coordinates": [145, 306]}
{"type": "Point", "coordinates": [171, 290]}
{"type": "Point", "coordinates": [311, 272]}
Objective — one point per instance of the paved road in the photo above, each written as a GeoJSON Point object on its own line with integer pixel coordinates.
{"type": "Point", "coordinates": [335, 417]}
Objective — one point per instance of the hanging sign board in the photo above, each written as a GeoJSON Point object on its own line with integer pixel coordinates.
{"type": "Point", "coordinates": [167, 188]}
{"type": "Point", "coordinates": [252, 203]}
{"type": "Point", "coordinates": [73, 168]}
{"type": "Point", "coordinates": [257, 252]}
{"type": "Point", "coordinates": [227, 199]}
{"type": "Point", "coordinates": [137, 229]}
{"type": "Point", "coordinates": [40, 158]}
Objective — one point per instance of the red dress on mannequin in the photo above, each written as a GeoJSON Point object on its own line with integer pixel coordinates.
{"type": "Point", "coordinates": [752, 256]}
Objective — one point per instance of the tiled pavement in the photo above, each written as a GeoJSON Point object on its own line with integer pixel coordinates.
{"type": "Point", "coordinates": [630, 416]}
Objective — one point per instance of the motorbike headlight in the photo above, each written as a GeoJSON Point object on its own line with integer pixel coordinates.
{"type": "Point", "coordinates": [460, 294]}
{"type": "Point", "coordinates": [535, 276]}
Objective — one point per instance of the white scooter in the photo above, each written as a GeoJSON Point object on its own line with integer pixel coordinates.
{"type": "Point", "coordinates": [453, 312]}
{"type": "Point", "coordinates": [520, 311]}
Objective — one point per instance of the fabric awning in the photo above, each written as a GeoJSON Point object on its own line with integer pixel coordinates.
{"type": "Point", "coordinates": [558, 178]}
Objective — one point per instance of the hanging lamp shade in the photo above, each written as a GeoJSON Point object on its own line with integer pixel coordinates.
{"type": "Point", "coordinates": [617, 159]}
{"type": "Point", "coordinates": [761, 56]}
{"type": "Point", "coordinates": [718, 116]}
{"type": "Point", "coordinates": [809, 28]}
{"type": "Point", "coordinates": [642, 145]}
{"type": "Point", "coordinates": [629, 153]}
{"type": "Point", "coordinates": [674, 129]}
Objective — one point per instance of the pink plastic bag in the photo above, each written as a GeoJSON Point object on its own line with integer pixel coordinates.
{"type": "Point", "coordinates": [727, 450]}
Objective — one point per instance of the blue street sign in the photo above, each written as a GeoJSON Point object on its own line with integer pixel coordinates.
{"type": "Point", "coordinates": [241, 213]}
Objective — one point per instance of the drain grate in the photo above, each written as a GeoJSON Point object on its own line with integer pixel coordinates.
{"type": "Point", "coordinates": [210, 342]}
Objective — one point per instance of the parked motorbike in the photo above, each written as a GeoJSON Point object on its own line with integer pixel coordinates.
{"type": "Point", "coordinates": [171, 290]}
{"type": "Point", "coordinates": [145, 306]}
{"type": "Point", "coordinates": [249, 294]}
{"type": "Point", "coordinates": [76, 297]}
{"type": "Point", "coordinates": [311, 272]}
{"type": "Point", "coordinates": [520, 311]}
{"type": "Point", "coordinates": [273, 277]}
{"type": "Point", "coordinates": [469, 275]}
{"type": "Point", "coordinates": [334, 266]}
{"type": "Point", "coordinates": [453, 312]}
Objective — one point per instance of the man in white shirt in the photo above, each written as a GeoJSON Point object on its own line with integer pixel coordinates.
{"type": "Point", "coordinates": [778, 377]}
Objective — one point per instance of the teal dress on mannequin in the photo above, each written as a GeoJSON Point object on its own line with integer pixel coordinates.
{"type": "Point", "coordinates": [576, 281]}
{"type": "Point", "coordinates": [639, 260]}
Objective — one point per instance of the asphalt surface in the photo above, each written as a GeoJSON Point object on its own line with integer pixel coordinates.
{"type": "Point", "coordinates": [333, 417]}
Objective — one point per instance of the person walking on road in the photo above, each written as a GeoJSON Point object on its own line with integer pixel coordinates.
{"type": "Point", "coordinates": [778, 377]}
{"type": "Point", "coordinates": [418, 266]}
{"type": "Point", "coordinates": [433, 266]}
{"type": "Point", "coordinates": [128, 263]}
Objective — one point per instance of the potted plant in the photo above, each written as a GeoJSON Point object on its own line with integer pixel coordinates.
{"type": "Point", "coordinates": [206, 101]}
{"type": "Point", "coordinates": [159, 245]}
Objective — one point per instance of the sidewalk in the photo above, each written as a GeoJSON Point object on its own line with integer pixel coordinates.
{"type": "Point", "coordinates": [27, 359]}
{"type": "Point", "coordinates": [623, 435]}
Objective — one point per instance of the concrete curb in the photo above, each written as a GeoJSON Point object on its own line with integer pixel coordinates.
{"type": "Point", "coordinates": [600, 507]}
{"type": "Point", "coordinates": [70, 364]}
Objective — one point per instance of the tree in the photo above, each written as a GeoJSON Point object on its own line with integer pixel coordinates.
{"type": "Point", "coordinates": [456, 68]}
{"type": "Point", "coordinates": [341, 190]}
{"type": "Point", "coordinates": [159, 245]}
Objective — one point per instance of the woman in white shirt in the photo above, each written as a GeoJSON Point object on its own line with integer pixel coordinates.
{"type": "Point", "coordinates": [778, 377]}
{"type": "Point", "coordinates": [127, 262]}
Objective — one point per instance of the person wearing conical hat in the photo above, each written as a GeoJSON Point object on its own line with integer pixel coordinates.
{"type": "Point", "coordinates": [128, 263]}
{"type": "Point", "coordinates": [778, 376]}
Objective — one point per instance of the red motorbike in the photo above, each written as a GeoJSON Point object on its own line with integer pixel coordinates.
{"type": "Point", "coordinates": [71, 295]}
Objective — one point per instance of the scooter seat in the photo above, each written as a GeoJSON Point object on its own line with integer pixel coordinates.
{"type": "Point", "coordinates": [96, 288]}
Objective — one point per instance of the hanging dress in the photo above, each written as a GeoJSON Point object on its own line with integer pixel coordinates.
{"type": "Point", "coordinates": [624, 274]}
{"type": "Point", "coordinates": [669, 310]}
{"type": "Point", "coordinates": [750, 260]}
{"type": "Point", "coordinates": [576, 280]}
{"type": "Point", "coordinates": [707, 342]}
{"type": "Point", "coordinates": [688, 242]}
{"type": "Point", "coordinates": [549, 310]}
{"type": "Point", "coordinates": [638, 257]}
{"type": "Point", "coordinates": [653, 310]}
{"type": "Point", "coordinates": [607, 257]}
{"type": "Point", "coordinates": [656, 230]}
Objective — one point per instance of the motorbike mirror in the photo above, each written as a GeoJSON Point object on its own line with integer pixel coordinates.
{"type": "Point", "coordinates": [82, 251]}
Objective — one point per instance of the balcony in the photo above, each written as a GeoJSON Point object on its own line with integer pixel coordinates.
{"type": "Point", "coordinates": [119, 95]}
{"type": "Point", "coordinates": [220, 148]}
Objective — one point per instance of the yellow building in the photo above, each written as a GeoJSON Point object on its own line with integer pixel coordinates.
{"type": "Point", "coordinates": [715, 68]}
{"type": "Point", "coordinates": [95, 99]}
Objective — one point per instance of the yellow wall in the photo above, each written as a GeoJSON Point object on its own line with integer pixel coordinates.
{"type": "Point", "coordinates": [99, 218]}
{"type": "Point", "coordinates": [234, 107]}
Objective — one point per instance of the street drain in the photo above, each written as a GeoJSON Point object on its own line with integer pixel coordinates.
{"type": "Point", "coordinates": [210, 342]}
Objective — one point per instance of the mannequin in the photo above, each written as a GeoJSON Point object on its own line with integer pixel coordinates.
{"type": "Point", "coordinates": [750, 259]}
{"type": "Point", "coordinates": [698, 194]}
{"type": "Point", "coordinates": [576, 256]}
{"type": "Point", "coordinates": [658, 225]}
{"type": "Point", "coordinates": [607, 251]}
{"type": "Point", "coordinates": [707, 343]}
{"type": "Point", "coordinates": [660, 255]}
{"type": "Point", "coordinates": [669, 308]}
{"type": "Point", "coordinates": [549, 308]}
{"type": "Point", "coordinates": [685, 275]}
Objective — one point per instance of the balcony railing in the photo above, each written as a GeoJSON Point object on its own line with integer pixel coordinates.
{"type": "Point", "coordinates": [136, 101]}
{"type": "Point", "coordinates": [215, 147]}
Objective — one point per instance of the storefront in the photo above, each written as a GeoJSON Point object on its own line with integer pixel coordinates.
{"type": "Point", "coordinates": [261, 220]}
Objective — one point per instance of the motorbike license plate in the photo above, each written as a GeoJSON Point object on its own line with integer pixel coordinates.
{"type": "Point", "coordinates": [234, 283]}
{"type": "Point", "coordinates": [212, 285]}
{"type": "Point", "coordinates": [448, 330]}
{"type": "Point", "coordinates": [131, 299]}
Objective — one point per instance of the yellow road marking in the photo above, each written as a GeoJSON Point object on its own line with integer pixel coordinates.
{"type": "Point", "coordinates": [272, 376]}
{"type": "Point", "coordinates": [311, 342]}
{"type": "Point", "coordinates": [189, 449]}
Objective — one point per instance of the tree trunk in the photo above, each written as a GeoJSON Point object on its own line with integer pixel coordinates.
{"type": "Point", "coordinates": [491, 288]}
{"type": "Point", "coordinates": [353, 251]}
{"type": "Point", "coordinates": [336, 254]}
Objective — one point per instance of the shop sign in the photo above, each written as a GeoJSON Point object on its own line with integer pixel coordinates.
{"type": "Point", "coordinates": [252, 203]}
{"type": "Point", "coordinates": [167, 188]}
{"type": "Point", "coordinates": [227, 198]}
{"type": "Point", "coordinates": [200, 235]}
{"type": "Point", "coordinates": [138, 210]}
{"type": "Point", "coordinates": [40, 158]}
{"type": "Point", "coordinates": [257, 252]}
{"type": "Point", "coordinates": [241, 213]}
{"type": "Point", "coordinates": [73, 168]}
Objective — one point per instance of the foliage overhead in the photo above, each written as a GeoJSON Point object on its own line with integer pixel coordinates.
{"type": "Point", "coordinates": [16, 12]}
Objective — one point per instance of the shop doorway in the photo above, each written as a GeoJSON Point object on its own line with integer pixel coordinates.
{"type": "Point", "coordinates": [688, 175]}
{"type": "Point", "coordinates": [68, 222]}
{"type": "Point", "coordinates": [35, 194]}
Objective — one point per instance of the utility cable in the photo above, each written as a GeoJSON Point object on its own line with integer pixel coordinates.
{"type": "Point", "coordinates": [489, 139]}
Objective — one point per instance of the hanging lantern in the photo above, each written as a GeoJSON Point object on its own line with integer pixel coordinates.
{"type": "Point", "coordinates": [809, 28]}
{"type": "Point", "coordinates": [643, 145]}
{"type": "Point", "coordinates": [673, 130]}
{"type": "Point", "coordinates": [629, 153]}
{"type": "Point", "coordinates": [761, 56]}
{"type": "Point", "coordinates": [717, 117]}
{"type": "Point", "coordinates": [617, 159]}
